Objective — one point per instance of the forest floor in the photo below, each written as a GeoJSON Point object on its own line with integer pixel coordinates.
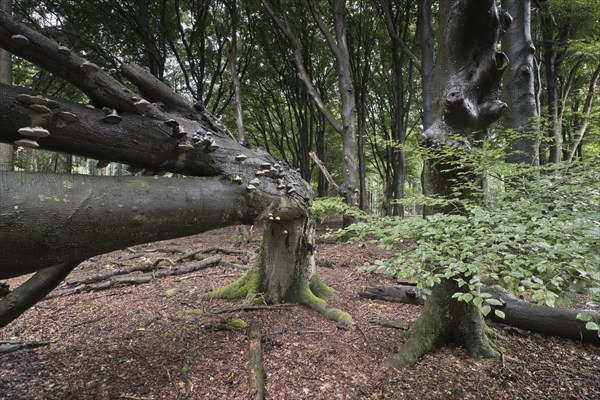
{"type": "Point", "coordinates": [143, 342]}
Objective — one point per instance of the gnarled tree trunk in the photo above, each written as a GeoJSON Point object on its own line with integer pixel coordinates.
{"type": "Point", "coordinates": [466, 81]}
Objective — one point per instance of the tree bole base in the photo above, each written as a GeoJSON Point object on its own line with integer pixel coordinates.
{"type": "Point", "coordinates": [285, 273]}
{"type": "Point", "coordinates": [444, 321]}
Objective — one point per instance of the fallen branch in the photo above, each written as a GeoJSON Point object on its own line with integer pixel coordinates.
{"type": "Point", "coordinates": [391, 323]}
{"type": "Point", "coordinates": [9, 346]}
{"type": "Point", "coordinates": [561, 322]}
{"type": "Point", "coordinates": [326, 173]}
{"type": "Point", "coordinates": [256, 375]}
{"type": "Point", "coordinates": [133, 278]}
{"type": "Point", "coordinates": [221, 250]}
{"type": "Point", "coordinates": [402, 294]}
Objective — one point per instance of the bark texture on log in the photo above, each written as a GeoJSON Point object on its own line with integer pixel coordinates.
{"type": "Point", "coordinates": [256, 374]}
{"type": "Point", "coordinates": [48, 219]}
{"type": "Point", "coordinates": [560, 322]}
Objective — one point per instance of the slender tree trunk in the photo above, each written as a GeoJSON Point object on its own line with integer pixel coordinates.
{"type": "Point", "coordinates": [554, 131]}
{"type": "Point", "coordinates": [6, 150]}
{"type": "Point", "coordinates": [467, 85]}
{"type": "Point", "coordinates": [519, 86]}
{"type": "Point", "coordinates": [232, 55]}
{"type": "Point", "coordinates": [587, 109]}
{"type": "Point", "coordinates": [428, 59]}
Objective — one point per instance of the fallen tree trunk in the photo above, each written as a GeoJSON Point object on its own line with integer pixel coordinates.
{"type": "Point", "coordinates": [561, 322]}
{"type": "Point", "coordinates": [48, 219]}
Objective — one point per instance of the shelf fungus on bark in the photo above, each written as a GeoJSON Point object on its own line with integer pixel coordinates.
{"type": "Point", "coordinates": [64, 50]}
{"type": "Point", "coordinates": [112, 118]}
{"type": "Point", "coordinates": [241, 157]}
{"type": "Point", "coordinates": [20, 40]}
{"type": "Point", "coordinates": [39, 108]}
{"type": "Point", "coordinates": [67, 116]}
{"type": "Point", "coordinates": [212, 146]}
{"type": "Point", "coordinates": [35, 132]}
{"type": "Point", "coordinates": [250, 188]}
{"type": "Point", "coordinates": [179, 131]}
{"type": "Point", "coordinates": [28, 99]}
{"type": "Point", "coordinates": [270, 216]}
{"type": "Point", "coordinates": [237, 179]}
{"type": "Point", "coordinates": [259, 173]}
{"type": "Point", "coordinates": [89, 67]}
{"type": "Point", "coordinates": [185, 146]}
{"type": "Point", "coordinates": [266, 166]}
{"type": "Point", "coordinates": [32, 144]}
{"type": "Point", "coordinates": [281, 186]}
{"type": "Point", "coordinates": [90, 106]}
{"type": "Point", "coordinates": [255, 182]}
{"type": "Point", "coordinates": [292, 190]}
{"type": "Point", "coordinates": [142, 106]}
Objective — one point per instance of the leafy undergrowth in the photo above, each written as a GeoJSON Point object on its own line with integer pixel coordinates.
{"type": "Point", "coordinates": [161, 341]}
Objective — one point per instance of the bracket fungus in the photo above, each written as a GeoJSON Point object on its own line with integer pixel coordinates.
{"type": "Point", "coordinates": [142, 106]}
{"type": "Point", "coordinates": [32, 144]}
{"type": "Point", "coordinates": [67, 116]}
{"type": "Point", "coordinates": [64, 50]}
{"type": "Point", "coordinates": [89, 67]}
{"type": "Point", "coordinates": [40, 108]}
{"type": "Point", "coordinates": [185, 146]}
{"type": "Point", "coordinates": [36, 132]}
{"type": "Point", "coordinates": [112, 118]}
{"type": "Point", "coordinates": [20, 40]}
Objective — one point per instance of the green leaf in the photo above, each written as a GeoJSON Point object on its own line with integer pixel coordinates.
{"type": "Point", "coordinates": [499, 314]}
{"type": "Point", "coordinates": [494, 302]}
{"type": "Point", "coordinates": [592, 326]}
{"type": "Point", "coordinates": [485, 310]}
{"type": "Point", "coordinates": [582, 316]}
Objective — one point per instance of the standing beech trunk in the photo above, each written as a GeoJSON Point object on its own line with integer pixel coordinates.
{"type": "Point", "coordinates": [428, 59]}
{"type": "Point", "coordinates": [519, 86]}
{"type": "Point", "coordinates": [6, 150]}
{"type": "Point", "coordinates": [49, 223]}
{"type": "Point", "coordinates": [467, 81]}
{"type": "Point", "coordinates": [550, 65]}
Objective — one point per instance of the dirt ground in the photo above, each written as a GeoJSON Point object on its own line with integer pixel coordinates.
{"type": "Point", "coordinates": [143, 342]}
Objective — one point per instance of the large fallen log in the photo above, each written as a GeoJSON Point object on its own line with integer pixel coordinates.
{"type": "Point", "coordinates": [519, 313]}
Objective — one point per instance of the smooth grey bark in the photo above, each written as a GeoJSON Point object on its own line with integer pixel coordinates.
{"type": "Point", "coordinates": [554, 128]}
{"type": "Point", "coordinates": [467, 81]}
{"type": "Point", "coordinates": [398, 131]}
{"type": "Point", "coordinates": [6, 150]}
{"type": "Point", "coordinates": [426, 33]}
{"type": "Point", "coordinates": [519, 86]}
{"type": "Point", "coordinates": [48, 219]}
{"type": "Point", "coordinates": [585, 120]}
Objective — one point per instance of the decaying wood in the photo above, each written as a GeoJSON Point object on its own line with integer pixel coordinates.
{"type": "Point", "coordinates": [129, 277]}
{"type": "Point", "coordinates": [403, 294]}
{"type": "Point", "coordinates": [256, 374]}
{"type": "Point", "coordinates": [9, 346]}
{"type": "Point", "coordinates": [391, 323]}
{"type": "Point", "coordinates": [561, 322]}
